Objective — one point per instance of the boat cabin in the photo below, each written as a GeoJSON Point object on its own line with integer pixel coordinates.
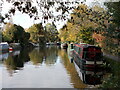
{"type": "Point", "coordinates": [4, 46]}
{"type": "Point", "coordinates": [86, 55]}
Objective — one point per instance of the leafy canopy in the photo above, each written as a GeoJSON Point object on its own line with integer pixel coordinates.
{"type": "Point", "coordinates": [42, 9]}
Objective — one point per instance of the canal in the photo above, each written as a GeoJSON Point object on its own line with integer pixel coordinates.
{"type": "Point", "coordinates": [50, 67]}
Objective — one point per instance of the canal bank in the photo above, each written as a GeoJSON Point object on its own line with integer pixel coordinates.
{"type": "Point", "coordinates": [111, 78]}
{"type": "Point", "coordinates": [116, 58]}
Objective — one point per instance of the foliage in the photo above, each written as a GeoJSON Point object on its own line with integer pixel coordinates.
{"type": "Point", "coordinates": [114, 10]}
{"type": "Point", "coordinates": [1, 18]}
{"type": "Point", "coordinates": [44, 8]}
{"type": "Point", "coordinates": [15, 33]}
{"type": "Point", "coordinates": [111, 43]}
{"type": "Point", "coordinates": [8, 34]}
{"type": "Point", "coordinates": [78, 30]}
{"type": "Point", "coordinates": [112, 33]}
{"type": "Point", "coordinates": [52, 33]}
{"type": "Point", "coordinates": [113, 79]}
{"type": "Point", "coordinates": [37, 33]}
{"type": "Point", "coordinates": [40, 34]}
{"type": "Point", "coordinates": [86, 35]}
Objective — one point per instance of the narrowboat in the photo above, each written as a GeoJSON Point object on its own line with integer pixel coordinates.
{"type": "Point", "coordinates": [64, 45]}
{"type": "Point", "coordinates": [58, 43]}
{"type": "Point", "coordinates": [90, 77]}
{"type": "Point", "coordinates": [3, 56]}
{"type": "Point", "coordinates": [4, 46]}
{"type": "Point", "coordinates": [87, 57]}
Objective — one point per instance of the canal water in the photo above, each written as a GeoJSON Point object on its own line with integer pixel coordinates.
{"type": "Point", "coordinates": [44, 67]}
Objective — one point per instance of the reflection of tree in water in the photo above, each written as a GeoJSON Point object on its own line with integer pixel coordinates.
{"type": "Point", "coordinates": [16, 62]}
{"type": "Point", "coordinates": [46, 54]}
{"type": "Point", "coordinates": [36, 56]}
{"type": "Point", "coordinates": [52, 53]}
{"type": "Point", "coordinates": [11, 63]}
{"type": "Point", "coordinates": [75, 79]}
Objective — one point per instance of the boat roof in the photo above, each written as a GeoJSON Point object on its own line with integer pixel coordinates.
{"type": "Point", "coordinates": [3, 43]}
{"type": "Point", "coordinates": [84, 45]}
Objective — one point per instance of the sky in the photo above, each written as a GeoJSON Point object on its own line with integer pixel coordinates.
{"type": "Point", "coordinates": [22, 19]}
{"type": "Point", "coordinates": [25, 21]}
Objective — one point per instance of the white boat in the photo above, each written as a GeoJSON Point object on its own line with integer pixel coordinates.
{"type": "Point", "coordinates": [3, 56]}
{"type": "Point", "coordinates": [35, 44]}
{"type": "Point", "coordinates": [4, 46]}
{"type": "Point", "coordinates": [64, 45]}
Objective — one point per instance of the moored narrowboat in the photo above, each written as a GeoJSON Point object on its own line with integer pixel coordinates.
{"type": "Point", "coordinates": [64, 45]}
{"type": "Point", "coordinates": [87, 56]}
{"type": "Point", "coordinates": [4, 46]}
{"type": "Point", "coordinates": [90, 77]}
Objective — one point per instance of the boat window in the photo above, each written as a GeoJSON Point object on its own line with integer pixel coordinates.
{"type": "Point", "coordinates": [72, 46]}
{"type": "Point", "coordinates": [76, 49]}
{"type": "Point", "coordinates": [93, 53]}
{"type": "Point", "coordinates": [79, 51]}
{"type": "Point", "coordinates": [84, 54]}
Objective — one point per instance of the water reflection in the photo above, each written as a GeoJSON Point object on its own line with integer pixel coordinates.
{"type": "Point", "coordinates": [75, 79]}
{"type": "Point", "coordinates": [47, 55]}
{"type": "Point", "coordinates": [15, 60]}
{"type": "Point", "coordinates": [54, 70]}
{"type": "Point", "coordinates": [3, 56]}
{"type": "Point", "coordinates": [54, 76]}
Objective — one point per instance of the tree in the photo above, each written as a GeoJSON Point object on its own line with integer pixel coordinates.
{"type": "Point", "coordinates": [37, 33]}
{"type": "Point", "coordinates": [52, 33]}
{"type": "Point", "coordinates": [45, 8]}
{"type": "Point", "coordinates": [83, 23]}
{"type": "Point", "coordinates": [15, 33]}
{"type": "Point", "coordinates": [1, 18]}
{"type": "Point", "coordinates": [112, 32]}
{"type": "Point", "coordinates": [8, 33]}
{"type": "Point", "coordinates": [68, 32]}
{"type": "Point", "coordinates": [114, 10]}
{"type": "Point", "coordinates": [86, 35]}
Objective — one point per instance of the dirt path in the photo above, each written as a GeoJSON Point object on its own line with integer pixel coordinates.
{"type": "Point", "coordinates": [112, 57]}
